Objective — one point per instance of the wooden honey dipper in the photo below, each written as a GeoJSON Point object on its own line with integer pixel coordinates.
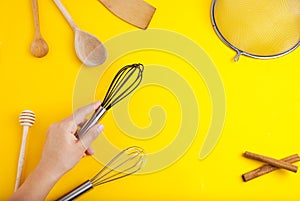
{"type": "Point", "coordinates": [26, 119]}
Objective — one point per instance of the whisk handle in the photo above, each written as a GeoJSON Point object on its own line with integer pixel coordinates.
{"type": "Point", "coordinates": [84, 187]}
{"type": "Point", "coordinates": [91, 122]}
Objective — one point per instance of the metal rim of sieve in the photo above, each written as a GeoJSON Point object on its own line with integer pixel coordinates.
{"type": "Point", "coordinates": [238, 51]}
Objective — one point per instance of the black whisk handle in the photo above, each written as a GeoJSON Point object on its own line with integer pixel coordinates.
{"type": "Point", "coordinates": [91, 122]}
{"type": "Point", "coordinates": [84, 187]}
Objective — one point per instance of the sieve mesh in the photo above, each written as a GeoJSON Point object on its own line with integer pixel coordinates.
{"type": "Point", "coordinates": [258, 28]}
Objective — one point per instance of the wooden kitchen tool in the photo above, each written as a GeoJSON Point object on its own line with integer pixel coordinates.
{"type": "Point", "coordinates": [135, 12]}
{"type": "Point", "coordinates": [39, 47]}
{"type": "Point", "coordinates": [89, 49]}
{"type": "Point", "coordinates": [26, 119]}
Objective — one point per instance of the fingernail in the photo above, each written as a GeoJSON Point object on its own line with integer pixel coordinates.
{"type": "Point", "coordinates": [91, 151]}
{"type": "Point", "coordinates": [96, 104]}
{"type": "Point", "coordinates": [100, 128]}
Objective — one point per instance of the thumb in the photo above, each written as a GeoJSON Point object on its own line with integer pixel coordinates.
{"type": "Point", "coordinates": [91, 135]}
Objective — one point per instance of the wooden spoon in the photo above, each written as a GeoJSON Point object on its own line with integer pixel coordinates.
{"type": "Point", "coordinates": [39, 47]}
{"type": "Point", "coordinates": [89, 49]}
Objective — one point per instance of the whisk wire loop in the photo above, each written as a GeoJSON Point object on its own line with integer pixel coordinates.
{"type": "Point", "coordinates": [121, 86]}
{"type": "Point", "coordinates": [116, 169]}
{"type": "Point", "coordinates": [112, 97]}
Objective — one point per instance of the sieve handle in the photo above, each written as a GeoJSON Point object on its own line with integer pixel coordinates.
{"type": "Point", "coordinates": [238, 55]}
{"type": "Point", "coordinates": [84, 187]}
{"type": "Point", "coordinates": [91, 122]}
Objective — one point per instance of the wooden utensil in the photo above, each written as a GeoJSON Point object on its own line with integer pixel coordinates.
{"type": "Point", "coordinates": [26, 119]}
{"type": "Point", "coordinates": [89, 49]}
{"type": "Point", "coordinates": [135, 12]}
{"type": "Point", "coordinates": [39, 47]}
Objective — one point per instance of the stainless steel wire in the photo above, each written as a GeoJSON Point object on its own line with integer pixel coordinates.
{"type": "Point", "coordinates": [262, 29]}
{"type": "Point", "coordinates": [124, 83]}
{"type": "Point", "coordinates": [125, 163]}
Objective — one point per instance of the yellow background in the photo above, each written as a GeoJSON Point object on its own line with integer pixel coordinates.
{"type": "Point", "coordinates": [262, 100]}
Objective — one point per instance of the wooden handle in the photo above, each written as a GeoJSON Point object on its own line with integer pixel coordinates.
{"type": "Point", "coordinates": [21, 158]}
{"type": "Point", "coordinates": [35, 11]}
{"type": "Point", "coordinates": [66, 14]}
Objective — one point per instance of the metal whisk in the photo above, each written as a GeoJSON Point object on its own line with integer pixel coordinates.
{"type": "Point", "coordinates": [123, 164]}
{"type": "Point", "coordinates": [124, 82]}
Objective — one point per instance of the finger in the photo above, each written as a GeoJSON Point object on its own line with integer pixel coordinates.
{"type": "Point", "coordinates": [91, 135]}
{"type": "Point", "coordinates": [82, 123]}
{"type": "Point", "coordinates": [80, 114]}
{"type": "Point", "coordinates": [89, 151]}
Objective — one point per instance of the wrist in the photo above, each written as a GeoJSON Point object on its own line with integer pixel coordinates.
{"type": "Point", "coordinates": [37, 185]}
{"type": "Point", "coordinates": [47, 170]}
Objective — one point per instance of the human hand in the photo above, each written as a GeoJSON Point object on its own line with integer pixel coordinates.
{"type": "Point", "coordinates": [62, 150]}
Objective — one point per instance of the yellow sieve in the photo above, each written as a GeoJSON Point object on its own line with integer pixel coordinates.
{"type": "Point", "coordinates": [262, 29]}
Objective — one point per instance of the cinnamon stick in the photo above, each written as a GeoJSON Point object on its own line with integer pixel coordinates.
{"type": "Point", "coordinates": [271, 161]}
{"type": "Point", "coordinates": [268, 168]}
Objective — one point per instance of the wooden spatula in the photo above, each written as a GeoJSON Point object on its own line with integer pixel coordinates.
{"type": "Point", "coordinates": [135, 12]}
